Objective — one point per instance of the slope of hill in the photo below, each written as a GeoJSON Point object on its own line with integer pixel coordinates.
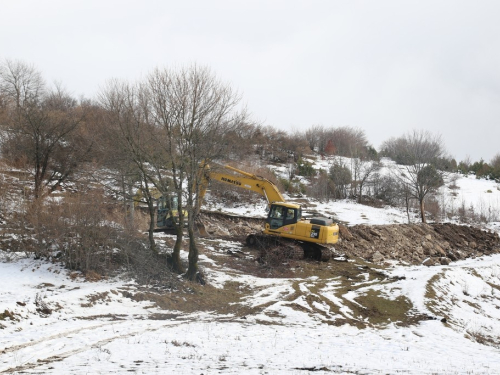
{"type": "Point", "coordinates": [338, 317]}
{"type": "Point", "coordinates": [346, 316]}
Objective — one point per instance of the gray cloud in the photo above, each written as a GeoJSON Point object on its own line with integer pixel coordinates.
{"type": "Point", "coordinates": [384, 66]}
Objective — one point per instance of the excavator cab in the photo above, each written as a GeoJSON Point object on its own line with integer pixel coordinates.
{"type": "Point", "coordinates": [283, 214]}
{"type": "Point", "coordinates": [285, 220]}
{"type": "Point", "coordinates": [167, 214]}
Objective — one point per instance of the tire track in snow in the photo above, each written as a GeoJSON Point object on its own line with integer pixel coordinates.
{"type": "Point", "coordinates": [45, 339]}
{"type": "Point", "coordinates": [39, 361]}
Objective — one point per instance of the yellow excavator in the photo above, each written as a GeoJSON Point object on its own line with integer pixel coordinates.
{"type": "Point", "coordinates": [284, 220]}
{"type": "Point", "coordinates": [167, 215]}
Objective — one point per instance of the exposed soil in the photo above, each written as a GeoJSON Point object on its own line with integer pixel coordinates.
{"type": "Point", "coordinates": [430, 244]}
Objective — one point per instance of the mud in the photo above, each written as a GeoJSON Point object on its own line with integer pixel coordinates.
{"type": "Point", "coordinates": [429, 244]}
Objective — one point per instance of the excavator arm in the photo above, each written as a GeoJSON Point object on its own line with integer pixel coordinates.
{"type": "Point", "coordinates": [242, 180]}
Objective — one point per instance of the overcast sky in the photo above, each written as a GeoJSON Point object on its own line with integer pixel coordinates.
{"type": "Point", "coordinates": [386, 66]}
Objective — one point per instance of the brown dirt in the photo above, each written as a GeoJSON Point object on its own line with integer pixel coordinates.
{"type": "Point", "coordinates": [431, 244]}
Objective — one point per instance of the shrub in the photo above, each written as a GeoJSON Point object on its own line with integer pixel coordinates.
{"type": "Point", "coordinates": [321, 187]}
{"type": "Point", "coordinates": [432, 208]}
{"type": "Point", "coordinates": [304, 168]}
{"type": "Point", "coordinates": [81, 230]}
{"type": "Point", "coordinates": [341, 177]}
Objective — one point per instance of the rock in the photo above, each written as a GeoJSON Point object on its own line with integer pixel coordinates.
{"type": "Point", "coordinates": [429, 262]}
{"type": "Point", "coordinates": [438, 250]}
{"type": "Point", "coordinates": [428, 237]}
{"type": "Point", "coordinates": [344, 233]}
{"type": "Point", "coordinates": [377, 257]}
{"type": "Point", "coordinates": [444, 261]}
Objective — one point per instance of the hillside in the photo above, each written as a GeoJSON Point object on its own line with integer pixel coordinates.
{"type": "Point", "coordinates": [351, 315]}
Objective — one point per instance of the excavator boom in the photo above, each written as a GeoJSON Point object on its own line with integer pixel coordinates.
{"type": "Point", "coordinates": [246, 181]}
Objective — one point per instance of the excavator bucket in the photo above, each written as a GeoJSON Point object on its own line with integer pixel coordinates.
{"type": "Point", "coordinates": [202, 232]}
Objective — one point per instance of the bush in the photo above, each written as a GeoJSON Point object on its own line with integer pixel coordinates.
{"type": "Point", "coordinates": [304, 168]}
{"type": "Point", "coordinates": [433, 208]}
{"type": "Point", "coordinates": [341, 177]}
{"type": "Point", "coordinates": [287, 185]}
{"type": "Point", "coordinates": [387, 189]}
{"type": "Point", "coordinates": [481, 169]}
{"type": "Point", "coordinates": [80, 230]}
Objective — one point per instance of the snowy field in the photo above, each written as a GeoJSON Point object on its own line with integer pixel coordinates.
{"type": "Point", "coordinates": [116, 335]}
{"type": "Point", "coordinates": [54, 322]}
{"type": "Point", "coordinates": [94, 328]}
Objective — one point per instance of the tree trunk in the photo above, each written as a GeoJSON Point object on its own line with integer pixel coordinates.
{"type": "Point", "coordinates": [193, 253]}
{"type": "Point", "coordinates": [131, 207]}
{"type": "Point", "coordinates": [422, 211]}
{"type": "Point", "coordinates": [408, 209]}
{"type": "Point", "coordinates": [179, 231]}
{"type": "Point", "coordinates": [152, 243]}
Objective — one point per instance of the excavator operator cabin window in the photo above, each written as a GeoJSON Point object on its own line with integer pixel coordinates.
{"type": "Point", "coordinates": [276, 212]}
{"type": "Point", "coordinates": [162, 203]}
{"type": "Point", "coordinates": [276, 216]}
{"type": "Point", "coordinates": [174, 203]}
{"type": "Point", "coordinates": [291, 216]}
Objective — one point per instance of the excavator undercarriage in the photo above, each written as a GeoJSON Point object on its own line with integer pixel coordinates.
{"type": "Point", "coordinates": [287, 248]}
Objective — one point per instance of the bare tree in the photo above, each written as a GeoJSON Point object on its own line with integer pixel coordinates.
{"type": "Point", "coordinates": [314, 137]}
{"type": "Point", "coordinates": [21, 83]}
{"type": "Point", "coordinates": [134, 142]}
{"type": "Point", "coordinates": [495, 161]}
{"type": "Point", "coordinates": [41, 127]}
{"type": "Point", "coordinates": [350, 142]}
{"type": "Point", "coordinates": [418, 171]}
{"type": "Point", "coordinates": [341, 177]}
{"type": "Point", "coordinates": [241, 141]}
{"type": "Point", "coordinates": [195, 109]}
{"type": "Point", "coordinates": [322, 186]}
{"type": "Point", "coordinates": [495, 167]}
{"type": "Point", "coordinates": [363, 171]}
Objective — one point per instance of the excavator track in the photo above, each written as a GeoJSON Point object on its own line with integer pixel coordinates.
{"type": "Point", "coordinates": [284, 248]}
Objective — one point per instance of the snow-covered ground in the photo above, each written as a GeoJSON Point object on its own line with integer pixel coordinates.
{"type": "Point", "coordinates": [94, 328]}
{"type": "Point", "coordinates": [113, 334]}
{"type": "Point", "coordinates": [479, 197]}
{"type": "Point", "coordinates": [55, 322]}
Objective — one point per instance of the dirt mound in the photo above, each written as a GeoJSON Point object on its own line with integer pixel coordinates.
{"type": "Point", "coordinates": [430, 244]}
{"type": "Point", "coordinates": [227, 226]}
